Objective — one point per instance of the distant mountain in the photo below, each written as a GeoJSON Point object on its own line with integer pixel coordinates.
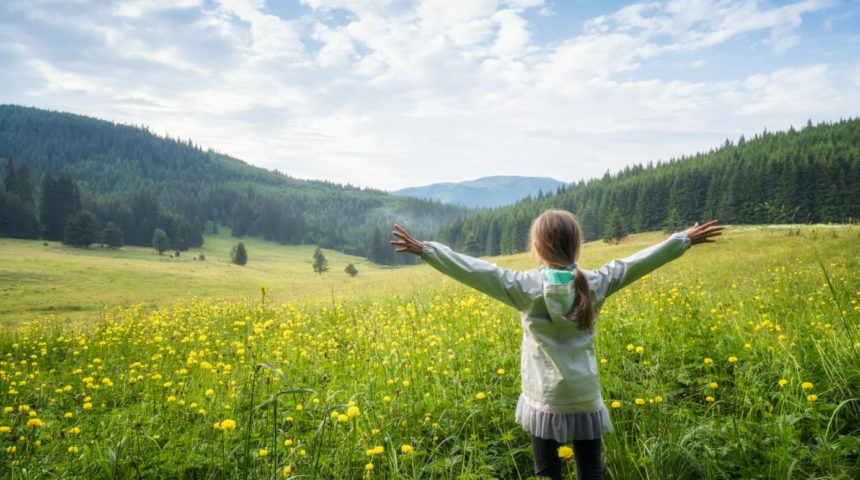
{"type": "Point", "coordinates": [484, 192]}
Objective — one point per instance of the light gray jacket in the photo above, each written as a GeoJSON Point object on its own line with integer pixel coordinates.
{"type": "Point", "coordinates": [559, 364]}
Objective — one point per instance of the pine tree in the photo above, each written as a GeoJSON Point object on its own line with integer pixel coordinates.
{"type": "Point", "coordinates": [17, 219]}
{"type": "Point", "coordinates": [242, 217]}
{"type": "Point", "coordinates": [10, 177]}
{"type": "Point", "coordinates": [179, 235]}
{"type": "Point", "coordinates": [674, 222]}
{"type": "Point", "coordinates": [494, 237]}
{"type": "Point", "coordinates": [470, 246]}
{"type": "Point", "coordinates": [23, 187]}
{"type": "Point", "coordinates": [60, 200]}
{"type": "Point", "coordinates": [160, 241]}
{"type": "Point", "coordinates": [82, 230]}
{"type": "Point", "coordinates": [615, 231]}
{"type": "Point", "coordinates": [239, 255]}
{"type": "Point", "coordinates": [47, 215]}
{"type": "Point", "coordinates": [320, 262]}
{"type": "Point", "coordinates": [145, 211]}
{"type": "Point", "coordinates": [351, 270]}
{"type": "Point", "coordinates": [196, 234]}
{"type": "Point", "coordinates": [112, 236]}
{"type": "Point", "coordinates": [376, 251]}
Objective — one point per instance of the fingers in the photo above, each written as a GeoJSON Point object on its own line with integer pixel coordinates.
{"type": "Point", "coordinates": [400, 231]}
{"type": "Point", "coordinates": [402, 234]}
{"type": "Point", "coordinates": [706, 225]}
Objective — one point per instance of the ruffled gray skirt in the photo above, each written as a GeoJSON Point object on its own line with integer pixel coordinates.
{"type": "Point", "coordinates": [562, 427]}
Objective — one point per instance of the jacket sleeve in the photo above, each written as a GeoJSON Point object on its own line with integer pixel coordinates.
{"type": "Point", "coordinates": [617, 274]}
{"type": "Point", "coordinates": [511, 288]}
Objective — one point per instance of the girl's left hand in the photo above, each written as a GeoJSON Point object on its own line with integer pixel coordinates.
{"type": "Point", "coordinates": [407, 244]}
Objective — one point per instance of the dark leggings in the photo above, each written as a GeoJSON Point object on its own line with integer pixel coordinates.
{"type": "Point", "coordinates": [586, 453]}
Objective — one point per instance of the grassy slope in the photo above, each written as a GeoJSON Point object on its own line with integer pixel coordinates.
{"type": "Point", "coordinates": [76, 284]}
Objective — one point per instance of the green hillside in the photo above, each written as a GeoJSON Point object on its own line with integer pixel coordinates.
{"type": "Point", "coordinates": [132, 177]}
{"type": "Point", "coordinates": [810, 175]}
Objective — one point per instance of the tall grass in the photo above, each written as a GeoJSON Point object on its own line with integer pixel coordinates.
{"type": "Point", "coordinates": [211, 389]}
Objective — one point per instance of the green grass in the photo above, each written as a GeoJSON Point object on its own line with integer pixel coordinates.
{"type": "Point", "coordinates": [74, 283]}
{"type": "Point", "coordinates": [433, 365]}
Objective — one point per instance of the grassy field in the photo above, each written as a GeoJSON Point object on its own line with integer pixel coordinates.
{"type": "Point", "coordinates": [73, 283]}
{"type": "Point", "coordinates": [739, 360]}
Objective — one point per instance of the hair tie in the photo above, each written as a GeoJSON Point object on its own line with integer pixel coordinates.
{"type": "Point", "coordinates": [572, 266]}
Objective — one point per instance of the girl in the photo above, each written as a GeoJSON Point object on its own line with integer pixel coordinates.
{"type": "Point", "coordinates": [559, 304]}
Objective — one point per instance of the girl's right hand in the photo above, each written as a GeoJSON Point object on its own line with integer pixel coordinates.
{"type": "Point", "coordinates": [704, 233]}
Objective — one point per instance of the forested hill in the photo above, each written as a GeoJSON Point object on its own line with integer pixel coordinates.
{"type": "Point", "coordinates": [805, 176]}
{"type": "Point", "coordinates": [141, 181]}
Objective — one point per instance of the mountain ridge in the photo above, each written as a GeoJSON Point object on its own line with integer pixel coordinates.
{"type": "Point", "coordinates": [485, 192]}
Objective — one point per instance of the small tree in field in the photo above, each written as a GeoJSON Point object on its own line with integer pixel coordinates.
{"type": "Point", "coordinates": [160, 242]}
{"type": "Point", "coordinates": [239, 255]}
{"type": "Point", "coordinates": [351, 270]}
{"type": "Point", "coordinates": [112, 236]}
{"type": "Point", "coordinates": [320, 262]}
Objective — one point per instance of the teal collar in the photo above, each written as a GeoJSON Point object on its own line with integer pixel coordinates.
{"type": "Point", "coordinates": [558, 277]}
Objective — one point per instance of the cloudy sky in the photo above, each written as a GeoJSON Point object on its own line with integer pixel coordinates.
{"type": "Point", "coordinates": [393, 93]}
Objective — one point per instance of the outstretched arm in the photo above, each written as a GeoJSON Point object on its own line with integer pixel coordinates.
{"type": "Point", "coordinates": [617, 274]}
{"type": "Point", "coordinates": [506, 286]}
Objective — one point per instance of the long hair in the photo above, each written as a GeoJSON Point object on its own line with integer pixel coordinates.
{"type": "Point", "coordinates": [554, 239]}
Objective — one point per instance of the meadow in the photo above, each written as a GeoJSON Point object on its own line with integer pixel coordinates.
{"type": "Point", "coordinates": [77, 284]}
{"type": "Point", "coordinates": [739, 360]}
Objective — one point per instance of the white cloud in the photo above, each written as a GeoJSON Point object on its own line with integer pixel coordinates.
{"type": "Point", "coordinates": [337, 46]}
{"type": "Point", "coordinates": [513, 36]}
{"type": "Point", "coordinates": [139, 8]}
{"type": "Point", "coordinates": [373, 92]}
{"type": "Point", "coordinates": [696, 24]}
{"type": "Point", "coordinates": [796, 90]}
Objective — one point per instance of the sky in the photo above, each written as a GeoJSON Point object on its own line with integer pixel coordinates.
{"type": "Point", "coordinates": [394, 93]}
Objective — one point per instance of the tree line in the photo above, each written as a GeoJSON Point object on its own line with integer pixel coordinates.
{"type": "Point", "coordinates": [62, 216]}
{"type": "Point", "coordinates": [141, 181]}
{"type": "Point", "coordinates": [810, 175]}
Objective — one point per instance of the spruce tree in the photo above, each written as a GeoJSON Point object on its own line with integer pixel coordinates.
{"type": "Point", "coordinates": [17, 219]}
{"type": "Point", "coordinates": [376, 251]}
{"type": "Point", "coordinates": [47, 214]}
{"type": "Point", "coordinates": [23, 188]}
{"type": "Point", "coordinates": [674, 222]}
{"type": "Point", "coordinates": [160, 241]}
{"type": "Point", "coordinates": [10, 177]}
{"type": "Point", "coordinates": [470, 246]}
{"type": "Point", "coordinates": [239, 255]}
{"type": "Point", "coordinates": [82, 230]}
{"type": "Point", "coordinates": [494, 237]}
{"type": "Point", "coordinates": [112, 236]}
{"type": "Point", "coordinates": [615, 231]}
{"type": "Point", "coordinates": [320, 262]}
